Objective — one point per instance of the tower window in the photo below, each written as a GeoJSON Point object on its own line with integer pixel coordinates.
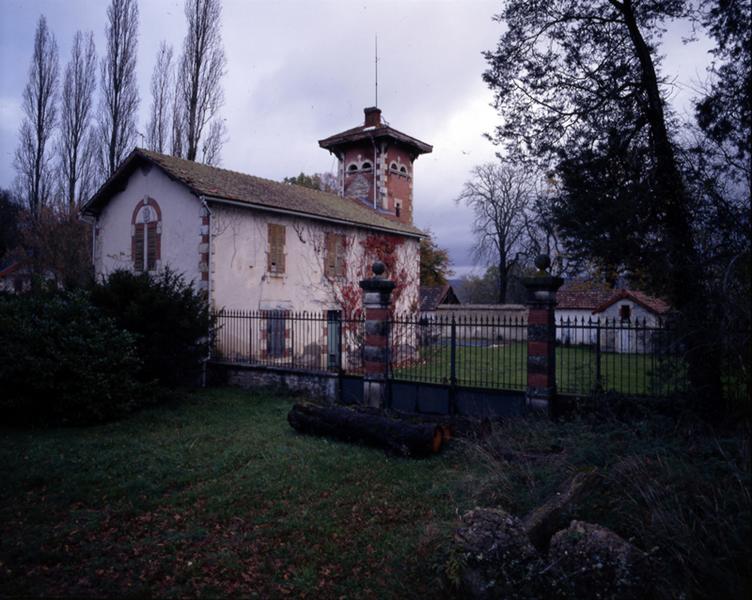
{"type": "Point", "coordinates": [394, 167]}
{"type": "Point", "coordinates": [352, 167]}
{"type": "Point", "coordinates": [403, 170]}
{"type": "Point", "coordinates": [366, 166]}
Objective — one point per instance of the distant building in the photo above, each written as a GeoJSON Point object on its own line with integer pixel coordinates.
{"type": "Point", "coordinates": [431, 297]}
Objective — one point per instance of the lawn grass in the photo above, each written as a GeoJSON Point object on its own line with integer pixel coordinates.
{"type": "Point", "coordinates": [218, 496]}
{"type": "Point", "coordinates": [505, 366]}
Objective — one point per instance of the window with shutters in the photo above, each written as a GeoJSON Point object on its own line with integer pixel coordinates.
{"type": "Point", "coordinates": [334, 260]}
{"type": "Point", "coordinates": [276, 253]}
{"type": "Point", "coordinates": [146, 236]}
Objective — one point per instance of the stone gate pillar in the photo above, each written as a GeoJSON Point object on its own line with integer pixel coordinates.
{"type": "Point", "coordinates": [377, 292]}
{"type": "Point", "coordinates": [541, 335]}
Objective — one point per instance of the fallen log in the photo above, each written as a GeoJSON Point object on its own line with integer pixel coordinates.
{"type": "Point", "coordinates": [395, 436]}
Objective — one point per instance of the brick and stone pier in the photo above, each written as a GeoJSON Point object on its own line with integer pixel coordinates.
{"type": "Point", "coordinates": [541, 336]}
{"type": "Point", "coordinates": [377, 292]}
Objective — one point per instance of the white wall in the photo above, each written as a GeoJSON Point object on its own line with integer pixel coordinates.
{"type": "Point", "coordinates": [181, 225]}
{"type": "Point", "coordinates": [239, 277]}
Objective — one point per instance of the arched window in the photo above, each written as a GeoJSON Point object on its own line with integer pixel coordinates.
{"type": "Point", "coordinates": [403, 170]}
{"type": "Point", "coordinates": [366, 166]}
{"type": "Point", "coordinates": [146, 236]}
{"type": "Point", "coordinates": [352, 167]}
{"type": "Point", "coordinates": [394, 167]}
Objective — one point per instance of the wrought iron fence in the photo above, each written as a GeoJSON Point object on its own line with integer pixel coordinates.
{"type": "Point", "coordinates": [636, 358]}
{"type": "Point", "coordinates": [486, 352]}
{"type": "Point", "coordinates": [319, 342]}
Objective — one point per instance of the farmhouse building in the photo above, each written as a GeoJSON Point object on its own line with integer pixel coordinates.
{"type": "Point", "coordinates": [257, 244]}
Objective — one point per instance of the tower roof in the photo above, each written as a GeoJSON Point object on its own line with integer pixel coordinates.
{"type": "Point", "coordinates": [374, 129]}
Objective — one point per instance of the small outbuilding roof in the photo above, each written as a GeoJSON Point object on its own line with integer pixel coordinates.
{"type": "Point", "coordinates": [579, 294]}
{"type": "Point", "coordinates": [432, 296]}
{"type": "Point", "coordinates": [214, 183]}
{"type": "Point", "coordinates": [651, 303]}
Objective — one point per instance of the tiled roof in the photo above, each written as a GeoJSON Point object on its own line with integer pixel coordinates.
{"type": "Point", "coordinates": [375, 131]}
{"type": "Point", "coordinates": [432, 296]}
{"type": "Point", "coordinates": [583, 295]}
{"type": "Point", "coordinates": [656, 305]}
{"type": "Point", "coordinates": [213, 182]}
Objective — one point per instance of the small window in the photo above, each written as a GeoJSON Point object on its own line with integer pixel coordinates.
{"type": "Point", "coordinates": [625, 312]}
{"type": "Point", "coordinates": [146, 236]}
{"type": "Point", "coordinates": [276, 253]}
{"type": "Point", "coordinates": [403, 170]}
{"type": "Point", "coordinates": [366, 166]}
{"type": "Point", "coordinates": [276, 322]}
{"type": "Point", "coordinates": [394, 167]}
{"type": "Point", "coordinates": [352, 167]}
{"type": "Point", "coordinates": [335, 255]}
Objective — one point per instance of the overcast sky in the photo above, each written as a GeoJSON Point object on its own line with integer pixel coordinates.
{"type": "Point", "coordinates": [300, 71]}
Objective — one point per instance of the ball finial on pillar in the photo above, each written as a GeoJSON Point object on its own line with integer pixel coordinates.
{"type": "Point", "coordinates": [543, 262]}
{"type": "Point", "coordinates": [378, 268]}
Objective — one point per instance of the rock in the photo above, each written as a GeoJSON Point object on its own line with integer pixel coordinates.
{"type": "Point", "coordinates": [543, 522]}
{"type": "Point", "coordinates": [593, 561]}
{"type": "Point", "coordinates": [493, 554]}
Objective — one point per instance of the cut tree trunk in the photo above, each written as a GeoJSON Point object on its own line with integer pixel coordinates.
{"type": "Point", "coordinates": [396, 436]}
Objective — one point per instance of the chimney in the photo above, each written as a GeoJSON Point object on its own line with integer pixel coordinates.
{"type": "Point", "coordinates": [373, 116]}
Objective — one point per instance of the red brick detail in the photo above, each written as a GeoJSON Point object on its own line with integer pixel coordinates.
{"type": "Point", "coordinates": [373, 367]}
{"type": "Point", "coordinates": [205, 276]}
{"type": "Point", "coordinates": [263, 334]}
{"type": "Point", "coordinates": [538, 348]}
{"type": "Point", "coordinates": [205, 220]}
{"type": "Point", "coordinates": [286, 352]}
{"type": "Point", "coordinates": [377, 314]}
{"type": "Point", "coordinates": [287, 333]}
{"type": "Point", "coordinates": [537, 380]}
{"type": "Point", "coordinates": [538, 316]}
{"type": "Point", "coordinates": [263, 354]}
{"type": "Point", "coordinates": [205, 238]}
{"type": "Point", "coordinates": [379, 341]}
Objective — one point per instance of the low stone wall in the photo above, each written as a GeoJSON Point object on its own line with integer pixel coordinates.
{"type": "Point", "coordinates": [511, 320]}
{"type": "Point", "coordinates": [322, 386]}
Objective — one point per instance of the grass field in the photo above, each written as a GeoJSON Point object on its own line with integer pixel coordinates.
{"type": "Point", "coordinates": [218, 496]}
{"type": "Point", "coordinates": [505, 366]}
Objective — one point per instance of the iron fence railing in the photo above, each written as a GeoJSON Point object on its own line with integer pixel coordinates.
{"type": "Point", "coordinates": [325, 341]}
{"type": "Point", "coordinates": [636, 358]}
{"type": "Point", "coordinates": [486, 352]}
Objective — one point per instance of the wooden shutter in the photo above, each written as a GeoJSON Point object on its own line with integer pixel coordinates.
{"type": "Point", "coordinates": [138, 247]}
{"type": "Point", "coordinates": [151, 246]}
{"type": "Point", "coordinates": [340, 255]}
{"type": "Point", "coordinates": [330, 259]}
{"type": "Point", "coordinates": [276, 255]}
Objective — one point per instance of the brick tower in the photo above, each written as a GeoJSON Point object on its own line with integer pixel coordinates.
{"type": "Point", "coordinates": [376, 165]}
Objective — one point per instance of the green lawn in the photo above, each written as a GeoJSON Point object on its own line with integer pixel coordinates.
{"type": "Point", "coordinates": [505, 366]}
{"type": "Point", "coordinates": [218, 496]}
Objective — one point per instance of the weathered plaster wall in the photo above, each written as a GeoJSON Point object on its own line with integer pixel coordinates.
{"type": "Point", "coordinates": [180, 225]}
{"type": "Point", "coordinates": [239, 276]}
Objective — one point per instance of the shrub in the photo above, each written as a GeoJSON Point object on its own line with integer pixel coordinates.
{"type": "Point", "coordinates": [169, 319]}
{"type": "Point", "coordinates": [63, 361]}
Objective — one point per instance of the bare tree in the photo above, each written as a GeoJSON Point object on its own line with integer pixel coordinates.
{"type": "Point", "coordinates": [211, 148]}
{"type": "Point", "coordinates": [202, 66]}
{"type": "Point", "coordinates": [501, 197]}
{"type": "Point", "coordinates": [177, 133]}
{"type": "Point", "coordinates": [75, 147]}
{"type": "Point", "coordinates": [32, 158]}
{"type": "Point", "coordinates": [157, 136]}
{"type": "Point", "coordinates": [119, 98]}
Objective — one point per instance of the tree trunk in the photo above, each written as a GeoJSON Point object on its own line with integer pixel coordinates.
{"type": "Point", "coordinates": [396, 436]}
{"type": "Point", "coordinates": [685, 275]}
